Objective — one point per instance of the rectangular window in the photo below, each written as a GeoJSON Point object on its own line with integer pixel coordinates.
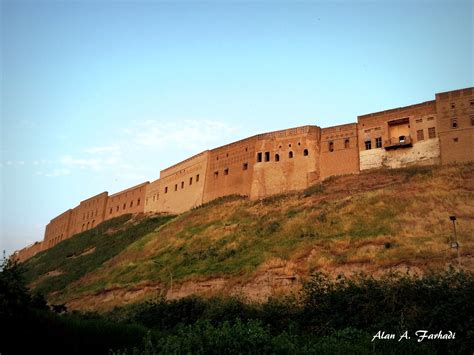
{"type": "Point", "coordinates": [331, 147]}
{"type": "Point", "coordinates": [245, 166]}
{"type": "Point", "coordinates": [117, 208]}
{"type": "Point", "coordinates": [138, 201]}
{"type": "Point", "coordinates": [368, 145]}
{"type": "Point", "coordinates": [131, 204]}
{"type": "Point", "coordinates": [110, 211]}
{"type": "Point", "coordinates": [259, 157]}
{"type": "Point", "coordinates": [419, 120]}
{"type": "Point", "coordinates": [378, 142]}
{"type": "Point", "coordinates": [124, 205]}
{"type": "Point", "coordinates": [191, 180]}
{"type": "Point", "coordinates": [182, 184]}
{"type": "Point", "coordinates": [216, 174]}
{"type": "Point", "coordinates": [226, 171]}
{"type": "Point", "coordinates": [432, 132]}
{"type": "Point", "coordinates": [197, 178]}
{"type": "Point", "coordinates": [166, 189]}
{"type": "Point", "coordinates": [430, 118]}
{"type": "Point", "coordinates": [472, 120]}
{"type": "Point", "coordinates": [419, 135]}
{"type": "Point", "coordinates": [175, 187]}
{"type": "Point", "coordinates": [267, 156]}
{"type": "Point", "coordinates": [454, 123]}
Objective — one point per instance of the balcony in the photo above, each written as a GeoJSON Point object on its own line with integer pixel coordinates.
{"type": "Point", "coordinates": [398, 142]}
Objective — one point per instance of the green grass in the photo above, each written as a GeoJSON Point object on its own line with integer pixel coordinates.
{"type": "Point", "coordinates": [65, 257]}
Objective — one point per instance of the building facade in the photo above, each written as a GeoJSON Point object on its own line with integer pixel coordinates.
{"type": "Point", "coordinates": [440, 131]}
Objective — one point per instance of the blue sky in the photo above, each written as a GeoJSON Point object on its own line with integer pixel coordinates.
{"type": "Point", "coordinates": [101, 95]}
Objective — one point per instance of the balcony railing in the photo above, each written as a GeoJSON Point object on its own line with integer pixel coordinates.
{"type": "Point", "coordinates": [398, 142]}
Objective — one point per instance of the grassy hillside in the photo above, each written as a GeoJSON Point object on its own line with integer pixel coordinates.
{"type": "Point", "coordinates": [371, 222]}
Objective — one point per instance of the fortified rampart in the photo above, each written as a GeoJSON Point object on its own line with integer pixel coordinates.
{"type": "Point", "coordinates": [433, 132]}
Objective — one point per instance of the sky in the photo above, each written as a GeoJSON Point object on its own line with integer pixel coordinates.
{"type": "Point", "coordinates": [102, 95]}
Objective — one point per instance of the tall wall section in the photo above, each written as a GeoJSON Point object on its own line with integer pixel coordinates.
{"type": "Point", "coordinates": [456, 125]}
{"type": "Point", "coordinates": [339, 150]}
{"type": "Point", "coordinates": [89, 213]}
{"type": "Point", "coordinates": [131, 200]}
{"type": "Point", "coordinates": [285, 160]}
{"type": "Point", "coordinates": [230, 169]}
{"type": "Point", "coordinates": [399, 137]}
{"type": "Point", "coordinates": [180, 187]}
{"type": "Point", "coordinates": [57, 229]}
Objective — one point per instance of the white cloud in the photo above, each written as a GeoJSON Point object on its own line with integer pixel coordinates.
{"type": "Point", "coordinates": [54, 173]}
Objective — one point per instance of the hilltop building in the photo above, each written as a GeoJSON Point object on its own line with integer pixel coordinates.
{"type": "Point", "coordinates": [440, 131]}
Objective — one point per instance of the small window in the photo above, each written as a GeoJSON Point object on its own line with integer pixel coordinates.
{"type": "Point", "coordinates": [277, 157]}
{"type": "Point", "coordinates": [259, 157]}
{"type": "Point", "coordinates": [290, 154]}
{"type": "Point", "coordinates": [246, 149]}
{"type": "Point", "coordinates": [346, 143]}
{"type": "Point", "coordinates": [226, 171]}
{"type": "Point", "coordinates": [110, 212]}
{"type": "Point", "coordinates": [419, 135]}
{"type": "Point", "coordinates": [117, 208]}
{"type": "Point", "coordinates": [432, 132]}
{"type": "Point", "coordinates": [197, 178]}
{"type": "Point", "coordinates": [191, 180]}
{"type": "Point", "coordinates": [472, 103]}
{"type": "Point", "coordinates": [267, 156]}
{"type": "Point", "coordinates": [419, 120]}
{"type": "Point", "coordinates": [472, 120]}
{"type": "Point", "coordinates": [245, 166]}
{"type": "Point", "coordinates": [453, 105]}
{"type": "Point", "coordinates": [166, 189]}
{"type": "Point", "coordinates": [299, 143]}
{"type": "Point", "coordinates": [131, 204]}
{"type": "Point", "coordinates": [331, 146]}
{"type": "Point", "coordinates": [182, 184]}
{"type": "Point", "coordinates": [430, 119]}
{"type": "Point", "coordinates": [138, 201]}
{"type": "Point", "coordinates": [216, 174]}
{"type": "Point", "coordinates": [175, 187]}
{"type": "Point", "coordinates": [368, 145]}
{"type": "Point", "coordinates": [454, 123]}
{"type": "Point", "coordinates": [305, 152]}
{"type": "Point", "coordinates": [124, 206]}
{"type": "Point", "coordinates": [456, 140]}
{"type": "Point", "coordinates": [378, 142]}
{"type": "Point", "coordinates": [289, 145]}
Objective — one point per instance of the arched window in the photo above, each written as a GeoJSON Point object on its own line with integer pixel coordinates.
{"type": "Point", "coordinates": [277, 157]}
{"type": "Point", "coordinates": [305, 152]}
{"type": "Point", "coordinates": [346, 143]}
{"type": "Point", "coordinates": [290, 154]}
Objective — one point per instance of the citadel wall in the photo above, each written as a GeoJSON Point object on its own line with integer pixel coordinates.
{"type": "Point", "coordinates": [399, 137]}
{"type": "Point", "coordinates": [131, 200]}
{"type": "Point", "coordinates": [339, 150]}
{"type": "Point", "coordinates": [180, 186]}
{"type": "Point", "coordinates": [456, 125]}
{"type": "Point", "coordinates": [285, 160]}
{"type": "Point", "coordinates": [431, 132]}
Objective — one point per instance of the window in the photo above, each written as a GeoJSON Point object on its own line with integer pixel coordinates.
{"type": "Point", "coordinates": [226, 171]}
{"type": "Point", "coordinates": [346, 143]}
{"type": "Point", "coordinates": [245, 166]}
{"type": "Point", "coordinates": [267, 156]}
{"type": "Point", "coordinates": [131, 204]}
{"type": "Point", "coordinates": [175, 187]}
{"type": "Point", "coordinates": [277, 157]}
{"type": "Point", "coordinates": [368, 145]}
{"type": "Point", "coordinates": [454, 123]}
{"type": "Point", "coordinates": [430, 119]}
{"type": "Point", "coordinates": [453, 105]}
{"type": "Point", "coordinates": [290, 154]}
{"type": "Point", "coordinates": [419, 135]}
{"type": "Point", "coordinates": [197, 178]}
{"type": "Point", "coordinates": [124, 206]}
{"type": "Point", "coordinates": [118, 208]}
{"type": "Point", "coordinates": [299, 143]}
{"type": "Point", "coordinates": [419, 120]}
{"type": "Point", "coordinates": [378, 142]}
{"type": "Point", "coordinates": [110, 212]}
{"type": "Point", "coordinates": [182, 184]}
{"type": "Point", "coordinates": [191, 180]}
{"type": "Point", "coordinates": [472, 120]}
{"type": "Point", "coordinates": [289, 145]}
{"type": "Point", "coordinates": [216, 174]}
{"type": "Point", "coordinates": [259, 157]}
{"type": "Point", "coordinates": [331, 146]}
{"type": "Point", "coordinates": [456, 140]}
{"type": "Point", "coordinates": [166, 189]}
{"type": "Point", "coordinates": [432, 132]}
{"type": "Point", "coordinates": [138, 201]}
{"type": "Point", "coordinates": [305, 152]}
{"type": "Point", "coordinates": [472, 103]}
